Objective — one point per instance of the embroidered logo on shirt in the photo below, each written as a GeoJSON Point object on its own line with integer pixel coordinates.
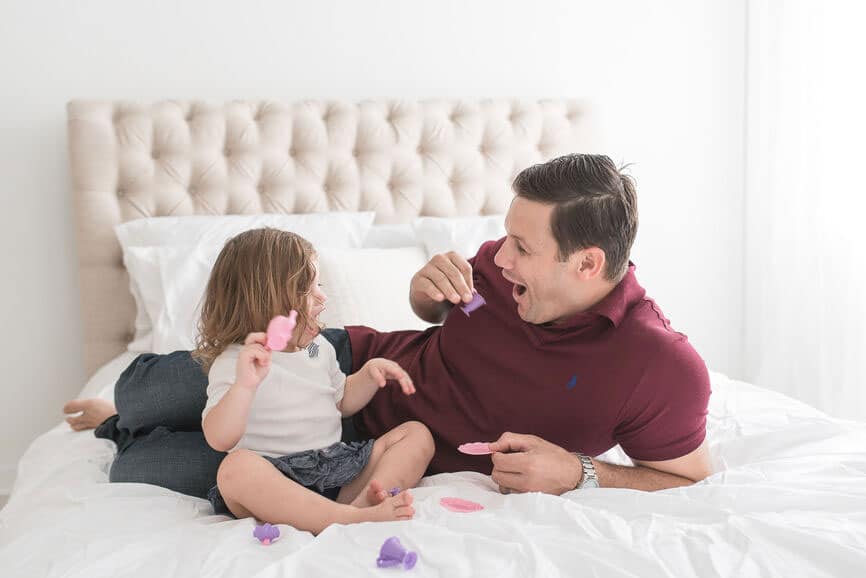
{"type": "Point", "coordinates": [571, 382]}
{"type": "Point", "coordinates": [313, 350]}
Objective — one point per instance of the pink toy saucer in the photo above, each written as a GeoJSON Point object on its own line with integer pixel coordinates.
{"type": "Point", "coordinates": [475, 448]}
{"type": "Point", "coordinates": [460, 505]}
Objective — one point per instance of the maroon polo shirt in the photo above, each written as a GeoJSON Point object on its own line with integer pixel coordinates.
{"type": "Point", "coordinates": [615, 374]}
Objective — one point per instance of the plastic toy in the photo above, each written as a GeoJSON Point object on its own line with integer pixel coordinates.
{"type": "Point", "coordinates": [266, 533]}
{"type": "Point", "coordinates": [475, 448]}
{"type": "Point", "coordinates": [392, 553]}
{"type": "Point", "coordinates": [460, 505]}
{"type": "Point", "coordinates": [280, 331]}
{"type": "Point", "coordinates": [393, 492]}
{"type": "Point", "coordinates": [477, 301]}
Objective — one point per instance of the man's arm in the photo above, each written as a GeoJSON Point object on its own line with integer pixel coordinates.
{"type": "Point", "coordinates": [443, 282]}
{"type": "Point", "coordinates": [527, 463]}
{"type": "Point", "coordinates": [683, 471]}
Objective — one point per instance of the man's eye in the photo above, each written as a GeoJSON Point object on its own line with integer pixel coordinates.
{"type": "Point", "coordinates": [521, 250]}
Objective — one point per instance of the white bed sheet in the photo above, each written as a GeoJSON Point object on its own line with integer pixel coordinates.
{"type": "Point", "coordinates": [789, 500]}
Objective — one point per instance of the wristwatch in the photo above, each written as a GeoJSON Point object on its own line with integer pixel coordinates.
{"type": "Point", "coordinates": [590, 478]}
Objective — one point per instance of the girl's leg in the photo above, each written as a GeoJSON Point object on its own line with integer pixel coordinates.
{"type": "Point", "coordinates": [399, 458]}
{"type": "Point", "coordinates": [252, 486]}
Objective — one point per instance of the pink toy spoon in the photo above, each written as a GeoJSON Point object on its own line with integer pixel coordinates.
{"type": "Point", "coordinates": [475, 448]}
{"type": "Point", "coordinates": [280, 331]}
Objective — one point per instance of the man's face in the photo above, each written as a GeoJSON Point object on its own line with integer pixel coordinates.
{"type": "Point", "coordinates": [544, 287]}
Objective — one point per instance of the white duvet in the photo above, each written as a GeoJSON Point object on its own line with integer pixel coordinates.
{"type": "Point", "coordinates": [789, 499]}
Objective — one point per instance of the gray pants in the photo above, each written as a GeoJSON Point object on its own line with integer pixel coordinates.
{"type": "Point", "coordinates": [157, 429]}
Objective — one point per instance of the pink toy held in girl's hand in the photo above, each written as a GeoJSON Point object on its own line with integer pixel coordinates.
{"type": "Point", "coordinates": [280, 331]}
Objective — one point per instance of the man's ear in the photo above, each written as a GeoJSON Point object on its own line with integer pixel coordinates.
{"type": "Point", "coordinates": [588, 263]}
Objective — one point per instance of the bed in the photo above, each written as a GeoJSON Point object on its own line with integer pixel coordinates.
{"type": "Point", "coordinates": [789, 494]}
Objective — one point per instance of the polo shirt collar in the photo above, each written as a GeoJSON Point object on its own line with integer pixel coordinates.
{"type": "Point", "coordinates": [615, 305]}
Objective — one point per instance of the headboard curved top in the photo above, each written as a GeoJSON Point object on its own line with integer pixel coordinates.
{"type": "Point", "coordinates": [399, 158]}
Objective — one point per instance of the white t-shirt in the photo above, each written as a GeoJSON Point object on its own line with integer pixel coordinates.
{"type": "Point", "coordinates": [295, 407]}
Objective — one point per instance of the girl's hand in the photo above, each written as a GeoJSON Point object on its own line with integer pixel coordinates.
{"type": "Point", "coordinates": [254, 361]}
{"type": "Point", "coordinates": [380, 370]}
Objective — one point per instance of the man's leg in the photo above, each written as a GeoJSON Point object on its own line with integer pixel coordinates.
{"type": "Point", "coordinates": [178, 460]}
{"type": "Point", "coordinates": [94, 411]}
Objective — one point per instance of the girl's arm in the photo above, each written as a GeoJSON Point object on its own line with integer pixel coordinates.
{"type": "Point", "coordinates": [225, 424]}
{"type": "Point", "coordinates": [362, 385]}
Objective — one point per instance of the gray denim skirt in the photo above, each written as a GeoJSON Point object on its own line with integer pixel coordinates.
{"type": "Point", "coordinates": [323, 471]}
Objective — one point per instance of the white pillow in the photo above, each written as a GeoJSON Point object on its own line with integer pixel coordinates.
{"type": "Point", "coordinates": [364, 286]}
{"type": "Point", "coordinates": [370, 287]}
{"type": "Point", "coordinates": [464, 235]}
{"type": "Point", "coordinates": [172, 281]}
{"type": "Point", "coordinates": [338, 229]}
{"type": "Point", "coordinates": [391, 236]}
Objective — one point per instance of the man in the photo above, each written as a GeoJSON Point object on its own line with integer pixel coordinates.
{"type": "Point", "coordinates": [568, 352]}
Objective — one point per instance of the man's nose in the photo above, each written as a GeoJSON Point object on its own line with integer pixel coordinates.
{"type": "Point", "coordinates": [499, 258]}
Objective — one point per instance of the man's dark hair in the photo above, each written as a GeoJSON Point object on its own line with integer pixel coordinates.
{"type": "Point", "coordinates": [596, 206]}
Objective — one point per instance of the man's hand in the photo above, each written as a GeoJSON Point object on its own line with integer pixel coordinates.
{"type": "Point", "coordinates": [536, 465]}
{"type": "Point", "coordinates": [445, 278]}
{"type": "Point", "coordinates": [527, 463]}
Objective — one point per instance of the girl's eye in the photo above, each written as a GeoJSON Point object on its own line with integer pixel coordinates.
{"type": "Point", "coordinates": [521, 250]}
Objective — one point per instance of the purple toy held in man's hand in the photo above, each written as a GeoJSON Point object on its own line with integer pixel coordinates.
{"type": "Point", "coordinates": [393, 554]}
{"type": "Point", "coordinates": [477, 301]}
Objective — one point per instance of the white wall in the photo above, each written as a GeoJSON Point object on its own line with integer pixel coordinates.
{"type": "Point", "coordinates": [669, 75]}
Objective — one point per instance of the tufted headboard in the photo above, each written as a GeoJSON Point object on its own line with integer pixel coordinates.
{"type": "Point", "coordinates": [401, 159]}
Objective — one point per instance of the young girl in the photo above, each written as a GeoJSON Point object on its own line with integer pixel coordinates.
{"type": "Point", "coordinates": [278, 413]}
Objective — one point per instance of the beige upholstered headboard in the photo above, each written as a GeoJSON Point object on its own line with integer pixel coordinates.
{"type": "Point", "coordinates": [401, 159]}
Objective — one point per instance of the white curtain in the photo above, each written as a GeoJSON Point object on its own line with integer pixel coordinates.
{"type": "Point", "coordinates": [805, 203]}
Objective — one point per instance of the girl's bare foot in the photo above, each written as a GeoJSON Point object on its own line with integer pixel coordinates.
{"type": "Point", "coordinates": [94, 411]}
{"type": "Point", "coordinates": [375, 494]}
{"type": "Point", "coordinates": [397, 508]}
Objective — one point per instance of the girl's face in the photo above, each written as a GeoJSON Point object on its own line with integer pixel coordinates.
{"type": "Point", "coordinates": [316, 301]}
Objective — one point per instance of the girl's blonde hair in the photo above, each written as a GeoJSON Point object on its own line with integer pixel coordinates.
{"type": "Point", "coordinates": [258, 275]}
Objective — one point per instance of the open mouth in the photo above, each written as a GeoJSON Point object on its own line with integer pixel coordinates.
{"type": "Point", "coordinates": [519, 290]}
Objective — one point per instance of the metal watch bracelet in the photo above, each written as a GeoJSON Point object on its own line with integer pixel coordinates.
{"type": "Point", "coordinates": [590, 478]}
